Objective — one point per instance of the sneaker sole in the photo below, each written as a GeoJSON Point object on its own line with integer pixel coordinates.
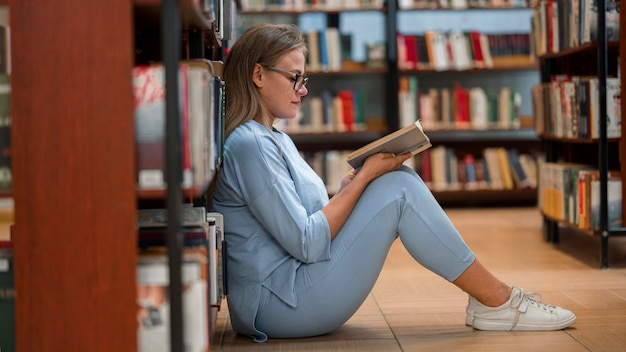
{"type": "Point", "coordinates": [485, 324]}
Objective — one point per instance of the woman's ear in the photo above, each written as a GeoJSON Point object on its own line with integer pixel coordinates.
{"type": "Point", "coordinates": [257, 76]}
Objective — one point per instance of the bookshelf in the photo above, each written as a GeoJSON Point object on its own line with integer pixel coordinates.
{"type": "Point", "coordinates": [601, 60]}
{"type": "Point", "coordinates": [512, 69]}
{"type": "Point", "coordinates": [382, 84]}
{"type": "Point", "coordinates": [73, 150]}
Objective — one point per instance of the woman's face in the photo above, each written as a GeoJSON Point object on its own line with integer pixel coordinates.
{"type": "Point", "coordinates": [276, 85]}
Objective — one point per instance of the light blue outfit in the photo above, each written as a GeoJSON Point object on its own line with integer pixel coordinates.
{"type": "Point", "coordinates": [286, 278]}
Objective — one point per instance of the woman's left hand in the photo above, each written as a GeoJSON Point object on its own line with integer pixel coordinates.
{"type": "Point", "coordinates": [347, 179]}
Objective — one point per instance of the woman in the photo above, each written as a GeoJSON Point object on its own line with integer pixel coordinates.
{"type": "Point", "coordinates": [300, 264]}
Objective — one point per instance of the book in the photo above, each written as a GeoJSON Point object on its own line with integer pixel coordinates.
{"type": "Point", "coordinates": [409, 139]}
{"type": "Point", "coordinates": [7, 297]}
{"type": "Point", "coordinates": [614, 201]}
{"type": "Point", "coordinates": [222, 252]}
{"type": "Point", "coordinates": [150, 125]}
{"type": "Point", "coordinates": [193, 236]}
{"type": "Point", "coordinates": [153, 305]}
{"type": "Point", "coordinates": [158, 217]}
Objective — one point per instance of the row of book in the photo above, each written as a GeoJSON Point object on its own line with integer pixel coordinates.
{"type": "Point", "coordinates": [302, 5]}
{"type": "Point", "coordinates": [458, 107]}
{"type": "Point", "coordinates": [331, 111]}
{"type": "Point", "coordinates": [460, 4]}
{"type": "Point", "coordinates": [568, 107]}
{"type": "Point", "coordinates": [570, 192]}
{"type": "Point", "coordinates": [559, 24]}
{"type": "Point", "coordinates": [446, 169]}
{"type": "Point", "coordinates": [203, 277]}
{"type": "Point", "coordinates": [328, 49]}
{"type": "Point", "coordinates": [456, 50]}
{"type": "Point", "coordinates": [289, 5]}
{"type": "Point", "coordinates": [202, 105]}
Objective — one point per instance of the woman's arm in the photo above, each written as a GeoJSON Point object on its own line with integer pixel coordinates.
{"type": "Point", "coordinates": [340, 206]}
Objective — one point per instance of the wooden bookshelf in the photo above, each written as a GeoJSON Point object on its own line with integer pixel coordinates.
{"type": "Point", "coordinates": [600, 59]}
{"type": "Point", "coordinates": [74, 185]}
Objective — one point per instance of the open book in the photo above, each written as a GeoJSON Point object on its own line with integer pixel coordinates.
{"type": "Point", "coordinates": [409, 139]}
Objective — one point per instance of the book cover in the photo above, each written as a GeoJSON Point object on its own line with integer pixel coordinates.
{"type": "Point", "coordinates": [410, 139]}
{"type": "Point", "coordinates": [401, 48]}
{"type": "Point", "coordinates": [438, 167]}
{"type": "Point", "coordinates": [153, 304]}
{"type": "Point", "coordinates": [190, 216]}
{"type": "Point", "coordinates": [520, 178]}
{"type": "Point", "coordinates": [150, 125]}
{"type": "Point", "coordinates": [613, 108]}
{"type": "Point", "coordinates": [505, 168]}
{"type": "Point", "coordinates": [149, 95]}
{"type": "Point", "coordinates": [423, 61]}
{"type": "Point", "coordinates": [614, 201]}
{"type": "Point", "coordinates": [582, 108]}
{"type": "Point", "coordinates": [313, 59]}
{"type": "Point", "coordinates": [222, 253]}
{"type": "Point", "coordinates": [345, 41]}
{"type": "Point", "coordinates": [347, 109]}
{"type": "Point", "coordinates": [493, 169]}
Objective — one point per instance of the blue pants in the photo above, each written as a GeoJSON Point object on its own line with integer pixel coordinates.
{"type": "Point", "coordinates": [397, 204]}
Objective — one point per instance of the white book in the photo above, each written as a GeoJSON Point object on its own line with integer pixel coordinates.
{"type": "Point", "coordinates": [438, 168]}
{"type": "Point", "coordinates": [478, 108]}
{"type": "Point", "coordinates": [486, 50]}
{"type": "Point", "coordinates": [154, 306]}
{"type": "Point", "coordinates": [460, 54]}
{"type": "Point", "coordinates": [410, 139]}
{"type": "Point", "coordinates": [613, 107]}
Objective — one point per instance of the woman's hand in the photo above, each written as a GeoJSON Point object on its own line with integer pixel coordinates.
{"type": "Point", "coordinates": [380, 164]}
{"type": "Point", "coordinates": [341, 204]}
{"type": "Point", "coordinates": [347, 179]}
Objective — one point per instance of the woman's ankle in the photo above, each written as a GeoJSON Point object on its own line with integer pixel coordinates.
{"type": "Point", "coordinates": [499, 297]}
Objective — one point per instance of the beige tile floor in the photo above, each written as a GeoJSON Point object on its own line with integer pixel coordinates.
{"type": "Point", "coordinates": [411, 309]}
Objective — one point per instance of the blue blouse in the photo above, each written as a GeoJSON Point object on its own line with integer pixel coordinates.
{"type": "Point", "coordinates": [271, 200]}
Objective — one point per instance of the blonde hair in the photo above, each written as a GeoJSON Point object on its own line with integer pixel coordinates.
{"type": "Point", "coordinates": [263, 44]}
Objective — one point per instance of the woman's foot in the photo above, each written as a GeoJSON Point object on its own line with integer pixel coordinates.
{"type": "Point", "coordinates": [521, 312]}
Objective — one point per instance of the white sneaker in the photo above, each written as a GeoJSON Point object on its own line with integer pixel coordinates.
{"type": "Point", "coordinates": [521, 312]}
{"type": "Point", "coordinates": [472, 305]}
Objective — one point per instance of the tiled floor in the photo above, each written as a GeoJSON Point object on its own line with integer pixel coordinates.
{"type": "Point", "coordinates": [411, 309]}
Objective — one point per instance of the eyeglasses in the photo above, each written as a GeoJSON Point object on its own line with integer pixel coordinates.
{"type": "Point", "coordinates": [299, 80]}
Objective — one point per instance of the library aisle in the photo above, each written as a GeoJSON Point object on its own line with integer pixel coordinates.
{"type": "Point", "coordinates": [411, 309]}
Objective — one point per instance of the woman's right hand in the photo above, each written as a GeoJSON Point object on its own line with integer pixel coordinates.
{"type": "Point", "coordinates": [380, 164]}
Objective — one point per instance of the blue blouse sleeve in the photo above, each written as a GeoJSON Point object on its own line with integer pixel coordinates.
{"type": "Point", "coordinates": [267, 187]}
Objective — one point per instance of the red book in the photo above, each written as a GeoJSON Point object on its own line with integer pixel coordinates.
{"type": "Point", "coordinates": [461, 103]}
{"type": "Point", "coordinates": [477, 52]}
{"type": "Point", "coordinates": [347, 107]}
{"type": "Point", "coordinates": [410, 43]}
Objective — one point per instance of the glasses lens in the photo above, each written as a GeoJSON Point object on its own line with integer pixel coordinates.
{"type": "Point", "coordinates": [301, 82]}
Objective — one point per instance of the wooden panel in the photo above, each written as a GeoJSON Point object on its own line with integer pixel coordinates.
{"type": "Point", "coordinates": [73, 155]}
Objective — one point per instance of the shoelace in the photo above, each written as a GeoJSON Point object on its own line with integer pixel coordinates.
{"type": "Point", "coordinates": [523, 300]}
